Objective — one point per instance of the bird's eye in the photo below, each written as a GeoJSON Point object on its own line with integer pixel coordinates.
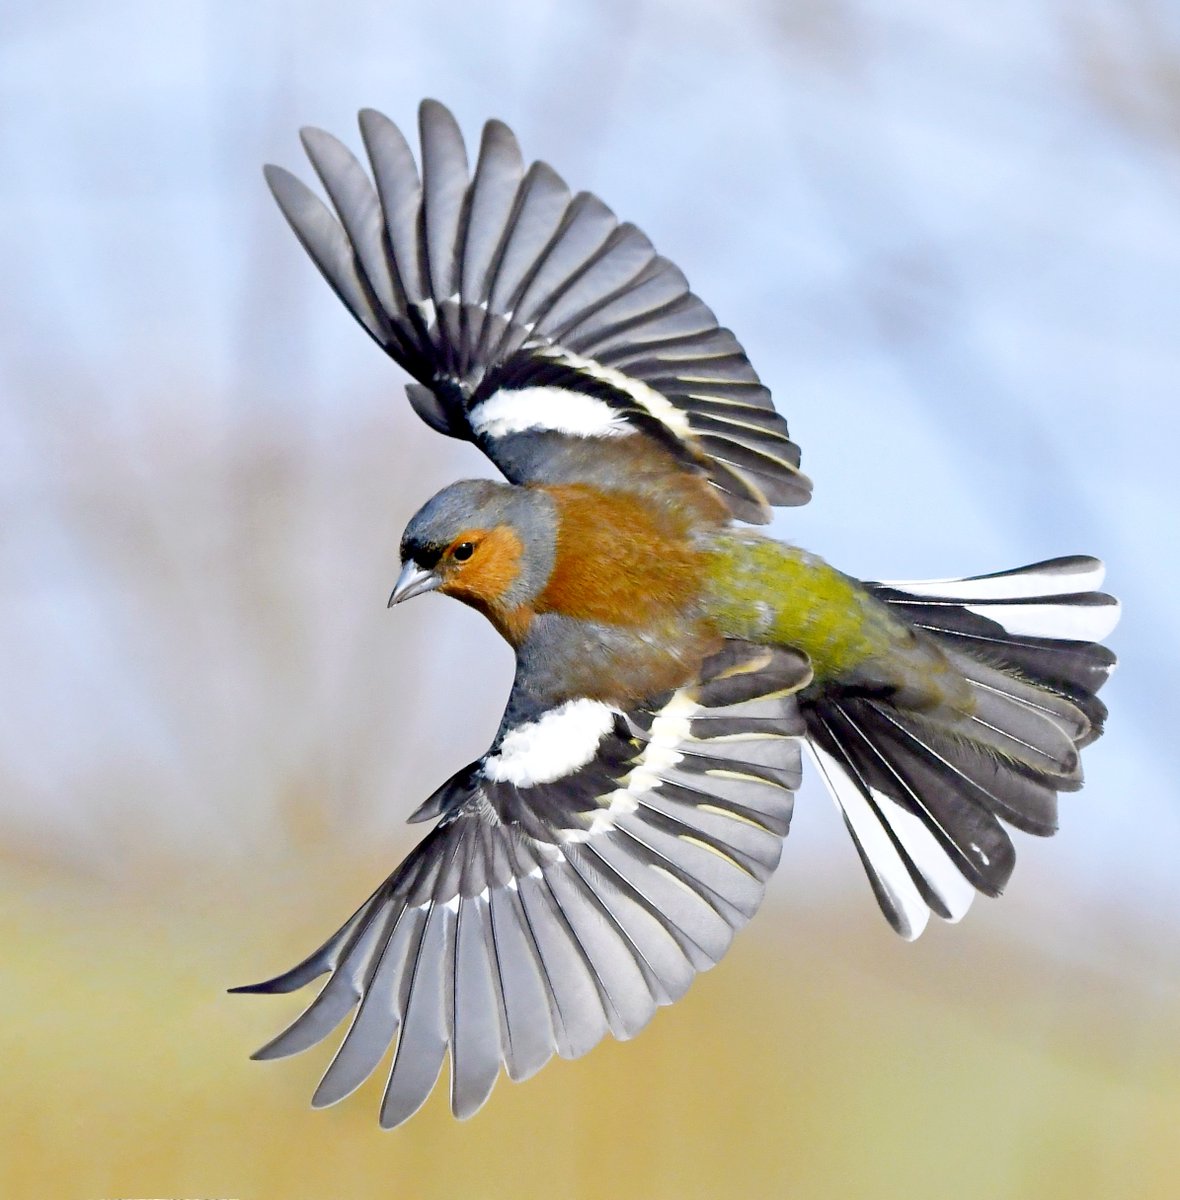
{"type": "Point", "coordinates": [463, 551]}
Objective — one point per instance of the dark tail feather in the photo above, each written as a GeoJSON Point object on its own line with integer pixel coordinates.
{"type": "Point", "coordinates": [924, 798]}
{"type": "Point", "coordinates": [1042, 622]}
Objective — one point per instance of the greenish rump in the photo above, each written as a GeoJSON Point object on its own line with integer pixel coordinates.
{"type": "Point", "coordinates": [766, 591]}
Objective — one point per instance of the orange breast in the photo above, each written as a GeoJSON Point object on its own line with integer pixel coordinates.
{"type": "Point", "coordinates": [618, 561]}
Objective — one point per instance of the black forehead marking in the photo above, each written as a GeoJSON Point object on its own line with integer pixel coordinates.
{"type": "Point", "coordinates": [425, 554]}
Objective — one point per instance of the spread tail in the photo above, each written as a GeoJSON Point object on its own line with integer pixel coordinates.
{"type": "Point", "coordinates": [926, 797]}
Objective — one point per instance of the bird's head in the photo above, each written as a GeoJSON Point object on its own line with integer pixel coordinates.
{"type": "Point", "coordinates": [488, 544]}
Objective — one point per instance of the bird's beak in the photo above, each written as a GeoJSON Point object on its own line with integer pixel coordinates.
{"type": "Point", "coordinates": [413, 581]}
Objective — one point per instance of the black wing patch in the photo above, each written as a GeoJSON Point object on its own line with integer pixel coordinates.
{"type": "Point", "coordinates": [551, 906]}
{"type": "Point", "coordinates": [524, 311]}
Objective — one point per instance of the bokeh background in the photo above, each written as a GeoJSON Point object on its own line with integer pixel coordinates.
{"type": "Point", "coordinates": [948, 235]}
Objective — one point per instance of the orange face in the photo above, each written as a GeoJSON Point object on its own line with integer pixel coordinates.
{"type": "Point", "coordinates": [480, 565]}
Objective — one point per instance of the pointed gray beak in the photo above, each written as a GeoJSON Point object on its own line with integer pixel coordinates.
{"type": "Point", "coordinates": [413, 581]}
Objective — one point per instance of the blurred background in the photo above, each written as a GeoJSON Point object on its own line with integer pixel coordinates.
{"type": "Point", "coordinates": [949, 238]}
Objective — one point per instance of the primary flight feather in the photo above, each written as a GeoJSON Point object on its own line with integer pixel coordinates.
{"type": "Point", "coordinates": [671, 665]}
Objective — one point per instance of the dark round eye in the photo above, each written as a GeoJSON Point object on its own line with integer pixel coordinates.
{"type": "Point", "coordinates": [463, 551]}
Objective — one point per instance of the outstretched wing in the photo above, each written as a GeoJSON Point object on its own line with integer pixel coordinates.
{"type": "Point", "coordinates": [531, 318]}
{"type": "Point", "coordinates": [581, 874]}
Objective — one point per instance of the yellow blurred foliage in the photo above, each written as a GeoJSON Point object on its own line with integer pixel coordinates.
{"type": "Point", "coordinates": [808, 1065]}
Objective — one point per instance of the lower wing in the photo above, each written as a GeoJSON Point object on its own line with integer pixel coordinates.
{"type": "Point", "coordinates": [581, 874]}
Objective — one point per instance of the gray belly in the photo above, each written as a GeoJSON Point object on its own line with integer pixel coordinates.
{"type": "Point", "coordinates": [567, 657]}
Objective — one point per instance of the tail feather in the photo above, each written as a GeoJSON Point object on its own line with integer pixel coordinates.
{"type": "Point", "coordinates": [880, 830]}
{"type": "Point", "coordinates": [992, 685]}
{"type": "Point", "coordinates": [1040, 622]}
{"type": "Point", "coordinates": [1028, 726]}
{"type": "Point", "coordinates": [924, 794]}
{"type": "Point", "coordinates": [1020, 797]}
{"type": "Point", "coordinates": [886, 754]}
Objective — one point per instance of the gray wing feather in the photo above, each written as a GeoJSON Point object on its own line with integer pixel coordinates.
{"type": "Point", "coordinates": [476, 1047]}
{"type": "Point", "coordinates": [666, 967]}
{"type": "Point", "coordinates": [733, 893]}
{"type": "Point", "coordinates": [626, 998]}
{"type": "Point", "coordinates": [499, 173]}
{"type": "Point", "coordinates": [586, 230]}
{"type": "Point", "coordinates": [444, 189]}
{"type": "Point", "coordinates": [700, 933]}
{"type": "Point", "coordinates": [444, 186]}
{"type": "Point", "coordinates": [357, 204]}
{"type": "Point", "coordinates": [376, 1021]}
{"type": "Point", "coordinates": [524, 987]}
{"type": "Point", "coordinates": [541, 208]}
{"type": "Point", "coordinates": [581, 1020]}
{"type": "Point", "coordinates": [328, 246]}
{"type": "Point", "coordinates": [335, 1000]}
{"type": "Point", "coordinates": [396, 175]}
{"type": "Point", "coordinates": [645, 315]}
{"type": "Point", "coordinates": [624, 255]}
{"type": "Point", "coordinates": [422, 1045]}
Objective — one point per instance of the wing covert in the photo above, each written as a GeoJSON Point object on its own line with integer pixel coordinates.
{"type": "Point", "coordinates": [529, 315]}
{"type": "Point", "coordinates": [581, 874]}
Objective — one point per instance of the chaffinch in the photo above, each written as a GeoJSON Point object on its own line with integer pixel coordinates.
{"type": "Point", "coordinates": [671, 665]}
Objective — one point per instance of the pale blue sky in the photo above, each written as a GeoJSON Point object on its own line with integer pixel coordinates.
{"type": "Point", "coordinates": [948, 238]}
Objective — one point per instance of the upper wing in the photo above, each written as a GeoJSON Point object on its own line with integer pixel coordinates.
{"type": "Point", "coordinates": [582, 872]}
{"type": "Point", "coordinates": [532, 318]}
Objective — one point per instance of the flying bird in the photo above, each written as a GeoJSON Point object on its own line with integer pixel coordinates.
{"type": "Point", "coordinates": [672, 663]}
